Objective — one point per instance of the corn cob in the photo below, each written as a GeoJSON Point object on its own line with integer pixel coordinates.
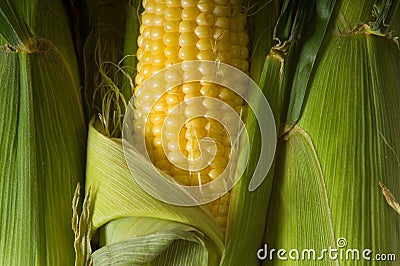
{"type": "Point", "coordinates": [180, 31]}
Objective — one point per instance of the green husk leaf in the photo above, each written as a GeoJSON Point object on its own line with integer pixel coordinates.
{"type": "Point", "coordinates": [143, 249]}
{"type": "Point", "coordinates": [310, 36]}
{"type": "Point", "coordinates": [170, 241]}
{"type": "Point", "coordinates": [13, 28]}
{"type": "Point", "coordinates": [261, 29]}
{"type": "Point", "coordinates": [42, 159]}
{"type": "Point", "coordinates": [301, 198]}
{"type": "Point", "coordinates": [130, 47]}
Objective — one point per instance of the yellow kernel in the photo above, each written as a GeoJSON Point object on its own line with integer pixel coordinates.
{"type": "Point", "coordinates": [244, 52]}
{"type": "Point", "coordinates": [214, 126]}
{"type": "Point", "coordinates": [218, 149]}
{"type": "Point", "coordinates": [203, 32]}
{"type": "Point", "coordinates": [171, 38]}
{"type": "Point", "coordinates": [238, 22]}
{"type": "Point", "coordinates": [160, 106]}
{"type": "Point", "coordinates": [205, 6]}
{"type": "Point", "coordinates": [187, 39]}
{"type": "Point", "coordinates": [173, 122]}
{"type": "Point", "coordinates": [199, 179]}
{"type": "Point", "coordinates": [148, 19]}
{"type": "Point", "coordinates": [192, 145]}
{"type": "Point", "coordinates": [159, 9]}
{"type": "Point", "coordinates": [190, 13]}
{"type": "Point", "coordinates": [236, 63]}
{"type": "Point", "coordinates": [158, 59]}
{"type": "Point", "coordinates": [243, 39]}
{"type": "Point", "coordinates": [221, 2]}
{"type": "Point", "coordinates": [162, 164]}
{"type": "Point", "coordinates": [171, 51]}
{"type": "Point", "coordinates": [224, 200]}
{"type": "Point", "coordinates": [204, 44]}
{"type": "Point", "coordinates": [158, 154]}
{"type": "Point", "coordinates": [211, 103]}
{"type": "Point", "coordinates": [218, 162]}
{"type": "Point", "coordinates": [223, 45]}
{"type": "Point", "coordinates": [188, 3]}
{"type": "Point", "coordinates": [172, 60]}
{"type": "Point", "coordinates": [244, 65]}
{"type": "Point", "coordinates": [173, 3]}
{"type": "Point", "coordinates": [218, 185]}
{"type": "Point", "coordinates": [191, 75]}
{"type": "Point", "coordinates": [195, 133]}
{"type": "Point", "coordinates": [139, 79]}
{"type": "Point", "coordinates": [157, 143]}
{"type": "Point", "coordinates": [142, 28]}
{"type": "Point", "coordinates": [183, 179]}
{"type": "Point", "coordinates": [140, 41]}
{"type": "Point", "coordinates": [240, 110]}
{"type": "Point", "coordinates": [159, 21]}
{"type": "Point", "coordinates": [221, 34]}
{"type": "Point", "coordinates": [140, 52]}
{"type": "Point", "coordinates": [206, 55]}
{"type": "Point", "coordinates": [223, 210]}
{"type": "Point", "coordinates": [173, 99]}
{"type": "Point", "coordinates": [177, 171]}
{"type": "Point", "coordinates": [171, 133]}
{"type": "Point", "coordinates": [171, 26]}
{"type": "Point", "coordinates": [173, 76]}
{"type": "Point", "coordinates": [173, 13]}
{"type": "Point", "coordinates": [146, 70]}
{"type": "Point", "coordinates": [187, 26]}
{"type": "Point", "coordinates": [156, 118]}
{"type": "Point", "coordinates": [235, 51]}
{"type": "Point", "coordinates": [205, 19]}
{"type": "Point", "coordinates": [157, 46]}
{"type": "Point", "coordinates": [191, 95]}
{"type": "Point", "coordinates": [173, 145]}
{"type": "Point", "coordinates": [221, 11]}
{"type": "Point", "coordinates": [234, 36]}
{"type": "Point", "coordinates": [176, 157]}
{"type": "Point", "coordinates": [194, 110]}
{"type": "Point", "coordinates": [196, 122]}
{"type": "Point", "coordinates": [190, 87]}
{"type": "Point", "coordinates": [227, 152]}
{"type": "Point", "coordinates": [224, 56]}
{"type": "Point", "coordinates": [222, 22]}
{"type": "Point", "coordinates": [157, 33]}
{"type": "Point", "coordinates": [210, 90]}
{"type": "Point", "coordinates": [187, 53]}
{"type": "Point", "coordinates": [215, 173]}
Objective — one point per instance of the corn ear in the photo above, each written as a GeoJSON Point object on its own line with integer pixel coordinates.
{"type": "Point", "coordinates": [42, 138]}
{"type": "Point", "coordinates": [326, 184]}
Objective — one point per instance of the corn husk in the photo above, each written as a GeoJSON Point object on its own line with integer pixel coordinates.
{"type": "Point", "coordinates": [42, 136]}
{"type": "Point", "coordinates": [326, 183]}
